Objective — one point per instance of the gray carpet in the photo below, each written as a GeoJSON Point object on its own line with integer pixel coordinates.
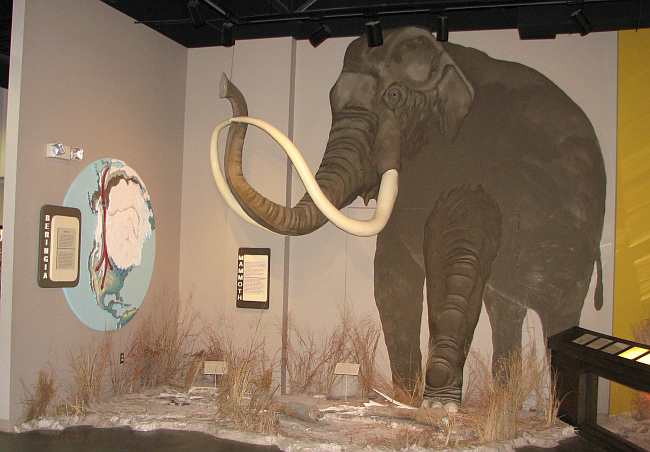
{"type": "Point", "coordinates": [86, 439]}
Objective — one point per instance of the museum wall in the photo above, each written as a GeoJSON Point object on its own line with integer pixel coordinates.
{"type": "Point", "coordinates": [3, 128]}
{"type": "Point", "coordinates": [211, 234]}
{"type": "Point", "coordinates": [632, 292]}
{"type": "Point", "coordinates": [328, 270]}
{"type": "Point", "coordinates": [82, 74]}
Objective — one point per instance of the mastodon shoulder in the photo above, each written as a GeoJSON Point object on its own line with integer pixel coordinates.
{"type": "Point", "coordinates": [525, 92]}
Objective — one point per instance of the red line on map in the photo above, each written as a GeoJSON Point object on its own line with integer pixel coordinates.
{"type": "Point", "coordinates": [104, 199]}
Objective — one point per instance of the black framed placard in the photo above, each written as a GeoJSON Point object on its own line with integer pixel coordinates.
{"type": "Point", "coordinates": [253, 281]}
{"type": "Point", "coordinates": [59, 243]}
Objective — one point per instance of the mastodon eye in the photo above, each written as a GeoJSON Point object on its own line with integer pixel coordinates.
{"type": "Point", "coordinates": [395, 96]}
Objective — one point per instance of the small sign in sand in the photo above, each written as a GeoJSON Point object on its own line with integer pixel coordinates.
{"type": "Point", "coordinates": [214, 368]}
{"type": "Point", "coordinates": [347, 369]}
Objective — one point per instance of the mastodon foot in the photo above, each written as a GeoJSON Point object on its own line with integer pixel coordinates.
{"type": "Point", "coordinates": [447, 397]}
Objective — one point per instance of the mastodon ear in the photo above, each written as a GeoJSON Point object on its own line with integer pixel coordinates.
{"type": "Point", "coordinates": [454, 100]}
{"type": "Point", "coordinates": [414, 57]}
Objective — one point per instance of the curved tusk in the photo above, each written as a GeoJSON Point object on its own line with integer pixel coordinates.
{"type": "Point", "coordinates": [222, 185]}
{"type": "Point", "coordinates": [363, 228]}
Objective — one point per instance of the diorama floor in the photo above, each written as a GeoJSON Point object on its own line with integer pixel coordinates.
{"type": "Point", "coordinates": [308, 424]}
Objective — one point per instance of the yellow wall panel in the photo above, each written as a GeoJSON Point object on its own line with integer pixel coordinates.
{"type": "Point", "coordinates": [632, 275]}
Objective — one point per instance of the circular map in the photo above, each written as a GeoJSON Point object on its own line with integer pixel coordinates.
{"type": "Point", "coordinates": [118, 242]}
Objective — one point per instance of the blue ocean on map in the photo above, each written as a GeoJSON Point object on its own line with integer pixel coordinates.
{"type": "Point", "coordinates": [86, 299]}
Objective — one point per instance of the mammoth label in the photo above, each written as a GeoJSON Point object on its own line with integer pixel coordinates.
{"type": "Point", "coordinates": [252, 285]}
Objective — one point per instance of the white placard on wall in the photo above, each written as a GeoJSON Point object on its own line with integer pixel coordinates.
{"type": "Point", "coordinates": [252, 286]}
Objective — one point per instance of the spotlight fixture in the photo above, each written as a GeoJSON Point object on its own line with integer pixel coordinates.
{"type": "Point", "coordinates": [374, 33]}
{"type": "Point", "coordinates": [227, 38]}
{"type": "Point", "coordinates": [442, 32]}
{"type": "Point", "coordinates": [319, 35]}
{"type": "Point", "coordinates": [193, 8]}
{"type": "Point", "coordinates": [581, 21]}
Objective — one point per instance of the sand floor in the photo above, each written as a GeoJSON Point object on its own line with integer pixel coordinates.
{"type": "Point", "coordinates": [340, 425]}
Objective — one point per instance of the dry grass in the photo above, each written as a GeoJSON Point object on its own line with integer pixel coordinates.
{"type": "Point", "coordinates": [38, 399]}
{"type": "Point", "coordinates": [88, 366]}
{"type": "Point", "coordinates": [407, 392]}
{"type": "Point", "coordinates": [407, 438]}
{"type": "Point", "coordinates": [120, 378]}
{"type": "Point", "coordinates": [548, 397]}
{"type": "Point", "coordinates": [492, 407]}
{"type": "Point", "coordinates": [245, 396]}
{"type": "Point", "coordinates": [364, 338]}
{"type": "Point", "coordinates": [311, 361]}
{"type": "Point", "coordinates": [159, 353]}
{"type": "Point", "coordinates": [397, 388]}
{"type": "Point", "coordinates": [312, 358]}
{"type": "Point", "coordinates": [436, 436]}
{"type": "Point", "coordinates": [501, 412]}
{"type": "Point", "coordinates": [496, 403]}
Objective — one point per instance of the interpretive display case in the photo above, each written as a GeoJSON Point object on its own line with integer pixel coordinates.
{"type": "Point", "coordinates": [580, 357]}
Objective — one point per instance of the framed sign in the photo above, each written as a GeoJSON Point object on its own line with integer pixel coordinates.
{"type": "Point", "coordinates": [59, 241]}
{"type": "Point", "coordinates": [253, 282]}
{"type": "Point", "coordinates": [215, 368]}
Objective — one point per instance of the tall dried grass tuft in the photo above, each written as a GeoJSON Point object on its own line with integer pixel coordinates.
{"type": "Point", "coordinates": [312, 358]}
{"type": "Point", "coordinates": [548, 397]}
{"type": "Point", "coordinates": [408, 438]}
{"type": "Point", "coordinates": [88, 366]}
{"type": "Point", "coordinates": [159, 353]}
{"type": "Point", "coordinates": [408, 393]}
{"type": "Point", "coordinates": [312, 361]}
{"type": "Point", "coordinates": [364, 338]}
{"type": "Point", "coordinates": [305, 361]}
{"type": "Point", "coordinates": [118, 373]}
{"type": "Point", "coordinates": [38, 399]}
{"type": "Point", "coordinates": [497, 402]}
{"type": "Point", "coordinates": [552, 401]}
{"type": "Point", "coordinates": [245, 396]}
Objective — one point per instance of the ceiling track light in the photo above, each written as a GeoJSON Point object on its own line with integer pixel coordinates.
{"type": "Point", "coordinates": [442, 30]}
{"type": "Point", "coordinates": [581, 21]}
{"type": "Point", "coordinates": [193, 8]}
{"type": "Point", "coordinates": [227, 36]}
{"type": "Point", "coordinates": [319, 35]}
{"type": "Point", "coordinates": [374, 33]}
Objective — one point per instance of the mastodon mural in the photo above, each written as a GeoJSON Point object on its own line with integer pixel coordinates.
{"type": "Point", "coordinates": [490, 185]}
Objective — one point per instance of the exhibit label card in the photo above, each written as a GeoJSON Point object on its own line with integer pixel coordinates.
{"type": "Point", "coordinates": [347, 369]}
{"type": "Point", "coordinates": [256, 276]}
{"type": "Point", "coordinates": [59, 246]}
{"type": "Point", "coordinates": [215, 368]}
{"type": "Point", "coordinates": [253, 270]}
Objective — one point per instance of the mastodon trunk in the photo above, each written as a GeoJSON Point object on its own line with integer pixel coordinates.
{"type": "Point", "coordinates": [339, 176]}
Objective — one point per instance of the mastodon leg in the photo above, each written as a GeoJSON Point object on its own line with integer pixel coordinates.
{"type": "Point", "coordinates": [461, 240]}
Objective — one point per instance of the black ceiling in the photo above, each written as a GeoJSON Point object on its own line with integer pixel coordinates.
{"type": "Point", "coordinates": [250, 19]}
{"type": "Point", "coordinates": [299, 18]}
